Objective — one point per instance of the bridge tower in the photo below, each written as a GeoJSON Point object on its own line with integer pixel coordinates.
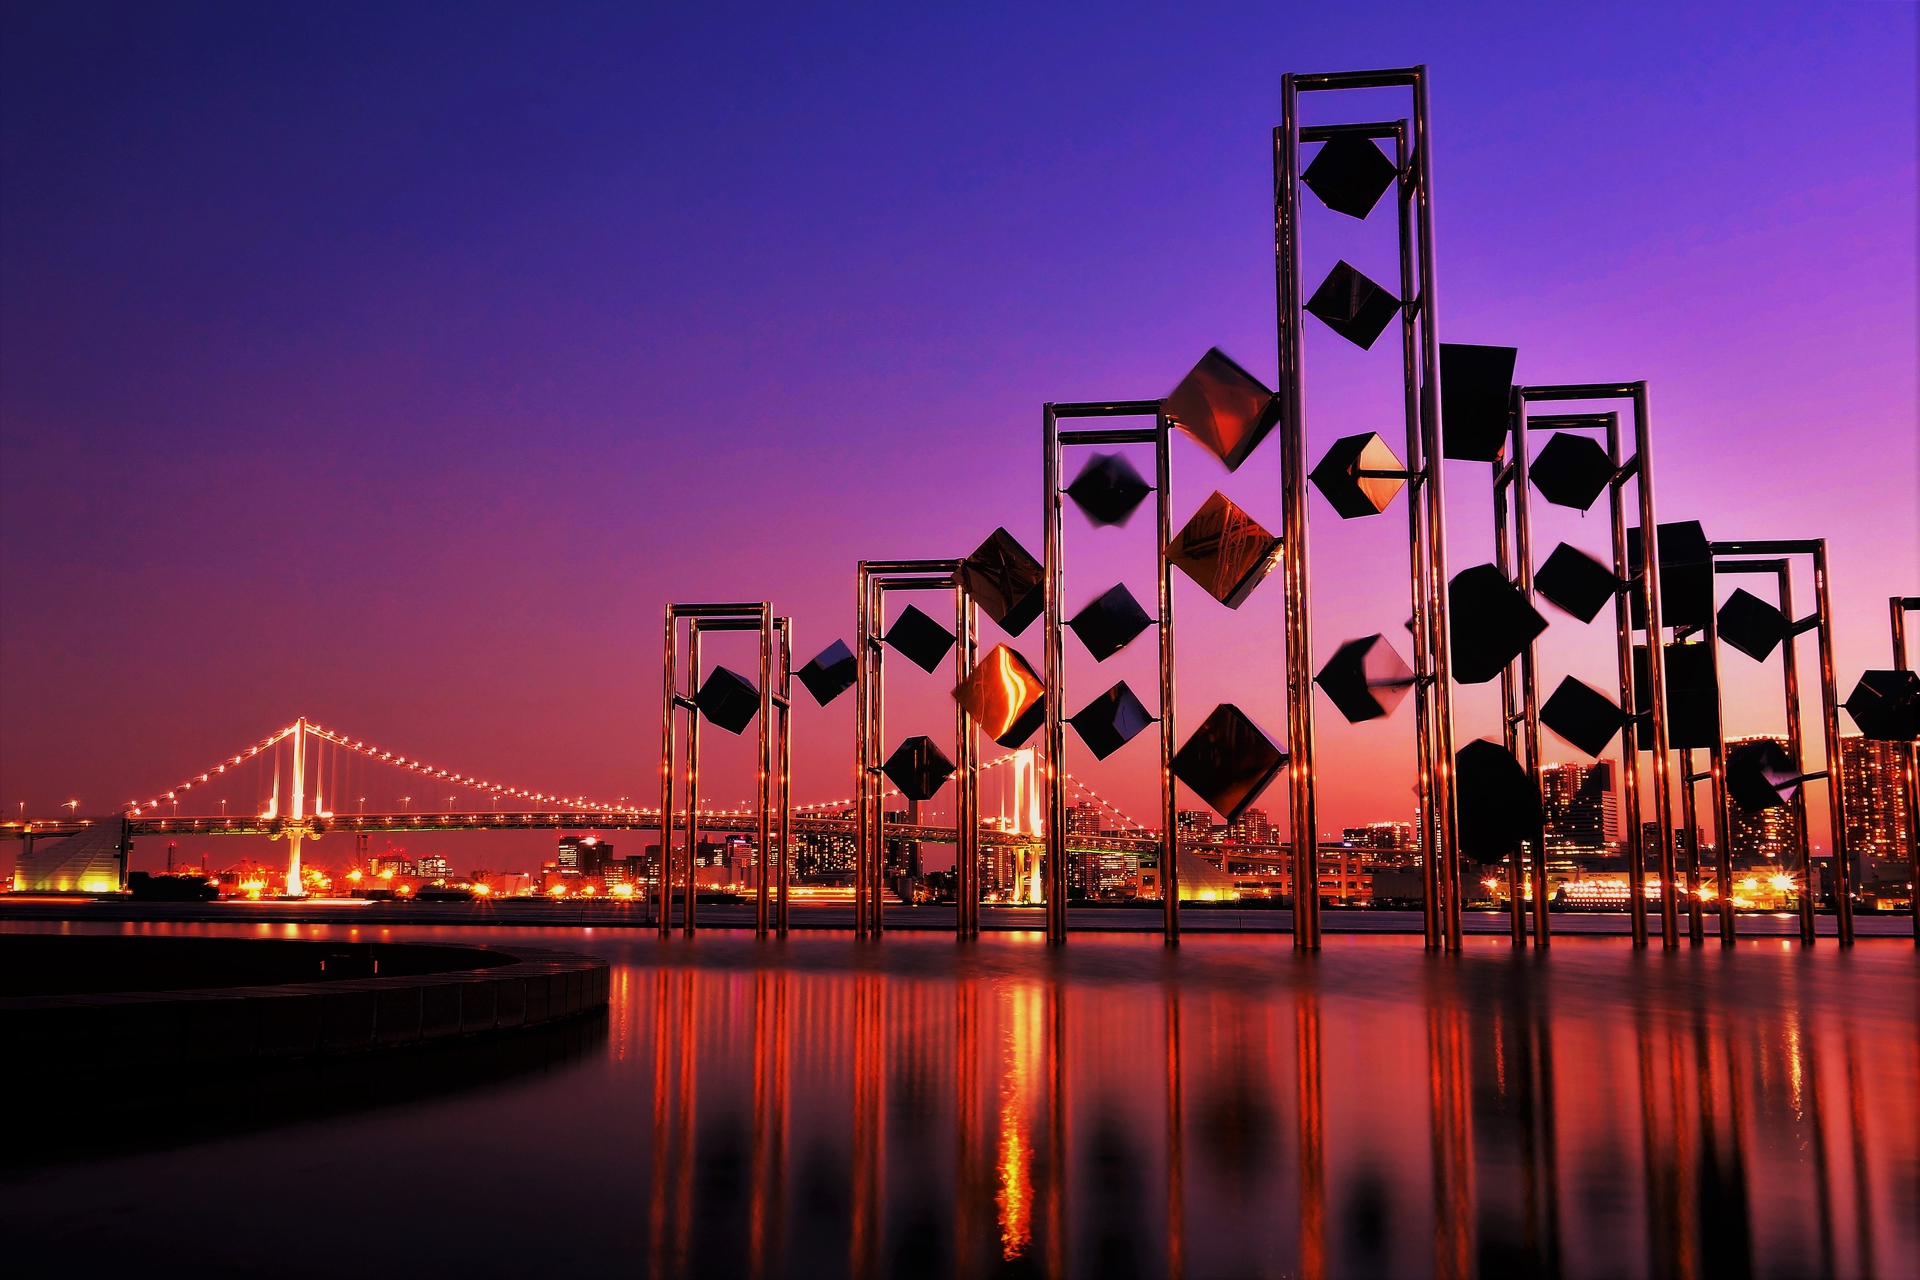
{"type": "Point", "coordinates": [295, 829]}
{"type": "Point", "coordinates": [1029, 882]}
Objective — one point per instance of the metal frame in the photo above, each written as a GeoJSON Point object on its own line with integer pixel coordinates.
{"type": "Point", "coordinates": [1737, 557]}
{"type": "Point", "coordinates": [1639, 469]}
{"type": "Point", "coordinates": [776, 667]}
{"type": "Point", "coordinates": [873, 579]}
{"type": "Point", "coordinates": [1898, 607]}
{"type": "Point", "coordinates": [1521, 705]}
{"type": "Point", "coordinates": [1420, 358]}
{"type": "Point", "coordinates": [1053, 441]}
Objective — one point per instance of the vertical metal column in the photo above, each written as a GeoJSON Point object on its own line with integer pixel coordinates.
{"type": "Point", "coordinates": [1509, 718]}
{"type": "Point", "coordinates": [786, 773]}
{"type": "Point", "coordinates": [693, 781]}
{"type": "Point", "coordinates": [1836, 784]}
{"type": "Point", "coordinates": [1790, 687]}
{"type": "Point", "coordinates": [1656, 664]}
{"type": "Point", "coordinates": [1418, 491]}
{"type": "Point", "coordinates": [664, 868]}
{"type": "Point", "coordinates": [763, 851]}
{"type": "Point", "coordinates": [1717, 774]}
{"type": "Point", "coordinates": [966, 805]}
{"type": "Point", "coordinates": [1163, 585]}
{"type": "Point", "coordinates": [863, 768]}
{"type": "Point", "coordinates": [1055, 677]}
{"type": "Point", "coordinates": [1690, 844]}
{"type": "Point", "coordinates": [1898, 607]}
{"type": "Point", "coordinates": [1629, 737]}
{"type": "Point", "coordinates": [1302, 814]}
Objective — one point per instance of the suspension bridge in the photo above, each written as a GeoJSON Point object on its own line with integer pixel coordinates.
{"type": "Point", "coordinates": [304, 769]}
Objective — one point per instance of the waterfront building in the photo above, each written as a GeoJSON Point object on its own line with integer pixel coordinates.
{"type": "Point", "coordinates": [1251, 827]}
{"type": "Point", "coordinates": [1580, 808]}
{"type": "Point", "coordinates": [1878, 826]}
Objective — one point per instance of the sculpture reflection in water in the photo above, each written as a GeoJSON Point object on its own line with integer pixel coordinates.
{"type": "Point", "coordinates": [942, 1123]}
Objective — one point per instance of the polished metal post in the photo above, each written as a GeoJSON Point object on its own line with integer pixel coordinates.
{"type": "Point", "coordinates": [1417, 496]}
{"type": "Point", "coordinates": [1796, 748]}
{"type": "Point", "coordinates": [1439, 641]}
{"type": "Point", "coordinates": [1623, 650]}
{"type": "Point", "coordinates": [1690, 844]}
{"type": "Point", "coordinates": [663, 869]}
{"type": "Point", "coordinates": [1717, 770]}
{"type": "Point", "coordinates": [763, 852]}
{"type": "Point", "coordinates": [693, 780]}
{"type": "Point", "coordinates": [1163, 586]}
{"type": "Point", "coordinates": [1656, 664]}
{"type": "Point", "coordinates": [863, 750]}
{"type": "Point", "coordinates": [877, 724]}
{"type": "Point", "coordinates": [1898, 608]}
{"type": "Point", "coordinates": [786, 773]}
{"type": "Point", "coordinates": [1836, 775]}
{"type": "Point", "coordinates": [1055, 668]}
{"type": "Point", "coordinates": [966, 801]}
{"type": "Point", "coordinates": [1509, 718]}
{"type": "Point", "coordinates": [1303, 817]}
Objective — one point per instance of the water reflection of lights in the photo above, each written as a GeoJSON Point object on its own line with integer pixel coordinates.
{"type": "Point", "coordinates": [1479, 1100]}
{"type": "Point", "coordinates": [1022, 1017]}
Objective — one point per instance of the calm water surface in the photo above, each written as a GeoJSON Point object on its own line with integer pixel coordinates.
{"type": "Point", "coordinates": [912, 1108]}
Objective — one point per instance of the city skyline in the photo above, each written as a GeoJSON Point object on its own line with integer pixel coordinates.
{"type": "Point", "coordinates": [411, 460]}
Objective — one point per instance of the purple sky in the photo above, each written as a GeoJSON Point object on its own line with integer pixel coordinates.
{"type": "Point", "coordinates": [394, 371]}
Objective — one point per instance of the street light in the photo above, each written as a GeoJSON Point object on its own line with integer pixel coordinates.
{"type": "Point", "coordinates": [407, 804]}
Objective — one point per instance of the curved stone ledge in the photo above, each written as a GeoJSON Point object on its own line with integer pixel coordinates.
{"type": "Point", "coordinates": [135, 1030]}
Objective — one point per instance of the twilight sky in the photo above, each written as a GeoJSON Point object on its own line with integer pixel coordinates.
{"type": "Point", "coordinates": [393, 367]}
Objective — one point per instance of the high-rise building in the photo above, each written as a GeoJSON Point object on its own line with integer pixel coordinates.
{"type": "Point", "coordinates": [1876, 802]}
{"type": "Point", "coordinates": [1083, 820]}
{"type": "Point", "coordinates": [1579, 805]}
{"type": "Point", "coordinates": [582, 855]}
{"type": "Point", "coordinates": [1251, 827]}
{"type": "Point", "coordinates": [1196, 826]}
{"type": "Point", "coordinates": [1379, 835]}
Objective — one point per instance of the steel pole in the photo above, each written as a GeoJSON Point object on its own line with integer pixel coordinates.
{"type": "Point", "coordinates": [693, 781]}
{"type": "Point", "coordinates": [1303, 818]}
{"type": "Point", "coordinates": [1530, 666]}
{"type": "Point", "coordinates": [1163, 584]}
{"type": "Point", "coordinates": [1656, 665]}
{"type": "Point", "coordinates": [1836, 775]}
{"type": "Point", "coordinates": [1898, 607]}
{"type": "Point", "coordinates": [1634, 843]}
{"type": "Point", "coordinates": [1717, 767]}
{"type": "Point", "coordinates": [1796, 748]}
{"type": "Point", "coordinates": [663, 869]}
{"type": "Point", "coordinates": [1055, 666]}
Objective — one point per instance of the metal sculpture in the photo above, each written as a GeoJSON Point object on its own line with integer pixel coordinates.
{"type": "Point", "coordinates": [924, 642]}
{"type": "Point", "coordinates": [1346, 175]}
{"type": "Point", "coordinates": [1108, 490]}
{"type": "Point", "coordinates": [731, 702]}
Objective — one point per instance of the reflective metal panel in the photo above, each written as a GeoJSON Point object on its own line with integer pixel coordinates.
{"type": "Point", "coordinates": [1576, 582]}
{"type": "Point", "coordinates": [728, 699]}
{"type": "Point", "coordinates": [1491, 623]}
{"type": "Point", "coordinates": [1686, 575]}
{"type": "Point", "coordinates": [1498, 804]}
{"type": "Point", "coordinates": [1224, 550]}
{"type": "Point", "coordinates": [1583, 716]}
{"type": "Point", "coordinates": [1003, 695]}
{"type": "Point", "coordinates": [1108, 489]}
{"type": "Point", "coordinates": [1353, 306]}
{"type": "Point", "coordinates": [831, 673]}
{"type": "Point", "coordinates": [1572, 471]}
{"type": "Point", "coordinates": [1224, 407]}
{"type": "Point", "coordinates": [1110, 622]}
{"type": "Point", "coordinates": [1693, 701]}
{"type": "Point", "coordinates": [923, 641]}
{"type": "Point", "coordinates": [1751, 625]}
{"type": "Point", "coordinates": [1358, 476]}
{"type": "Point", "coordinates": [1476, 393]}
{"type": "Point", "coordinates": [1228, 761]}
{"type": "Point", "coordinates": [1111, 721]}
{"type": "Point", "coordinates": [918, 768]}
{"type": "Point", "coordinates": [1006, 582]}
{"type": "Point", "coordinates": [1886, 705]}
{"type": "Point", "coordinates": [1350, 174]}
{"type": "Point", "coordinates": [1761, 775]}
{"type": "Point", "coordinates": [1365, 679]}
